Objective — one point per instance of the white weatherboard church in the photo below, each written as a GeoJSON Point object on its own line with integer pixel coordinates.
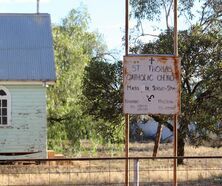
{"type": "Point", "coordinates": [26, 67]}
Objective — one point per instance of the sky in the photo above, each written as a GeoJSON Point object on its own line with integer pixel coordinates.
{"type": "Point", "coordinates": [107, 16]}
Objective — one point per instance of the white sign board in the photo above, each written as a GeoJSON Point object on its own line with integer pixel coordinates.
{"type": "Point", "coordinates": [151, 85]}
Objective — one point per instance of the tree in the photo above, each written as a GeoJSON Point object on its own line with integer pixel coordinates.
{"type": "Point", "coordinates": [201, 83]}
{"type": "Point", "coordinates": [152, 10]}
{"type": "Point", "coordinates": [74, 46]}
{"type": "Point", "coordinates": [102, 90]}
{"type": "Point", "coordinates": [208, 15]}
{"type": "Point", "coordinates": [201, 77]}
{"type": "Point", "coordinates": [202, 35]}
{"type": "Point", "coordinates": [201, 80]}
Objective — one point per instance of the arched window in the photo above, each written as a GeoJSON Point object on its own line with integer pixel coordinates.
{"type": "Point", "coordinates": [5, 107]}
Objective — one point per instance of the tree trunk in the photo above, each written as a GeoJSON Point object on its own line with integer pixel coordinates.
{"type": "Point", "coordinates": [157, 140]}
{"type": "Point", "coordinates": [180, 150]}
{"type": "Point", "coordinates": [182, 134]}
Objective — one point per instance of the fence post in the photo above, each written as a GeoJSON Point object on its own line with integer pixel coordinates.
{"type": "Point", "coordinates": [136, 172]}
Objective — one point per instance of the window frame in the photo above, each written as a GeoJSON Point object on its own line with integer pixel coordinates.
{"type": "Point", "coordinates": [8, 98]}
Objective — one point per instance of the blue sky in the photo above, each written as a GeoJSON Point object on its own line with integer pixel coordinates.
{"type": "Point", "coordinates": [107, 16]}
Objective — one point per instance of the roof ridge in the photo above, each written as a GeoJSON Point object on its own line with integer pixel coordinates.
{"type": "Point", "coordinates": [24, 14]}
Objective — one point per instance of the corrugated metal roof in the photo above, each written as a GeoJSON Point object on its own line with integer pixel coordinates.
{"type": "Point", "coordinates": [26, 48]}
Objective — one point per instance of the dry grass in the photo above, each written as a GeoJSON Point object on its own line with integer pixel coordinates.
{"type": "Point", "coordinates": [199, 172]}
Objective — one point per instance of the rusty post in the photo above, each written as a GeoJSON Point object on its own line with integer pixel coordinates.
{"type": "Point", "coordinates": [157, 140]}
{"type": "Point", "coordinates": [175, 150]}
{"type": "Point", "coordinates": [37, 6]}
{"type": "Point", "coordinates": [127, 27]}
{"type": "Point", "coordinates": [127, 150]}
{"type": "Point", "coordinates": [175, 29]}
{"type": "Point", "coordinates": [175, 118]}
{"type": "Point", "coordinates": [126, 115]}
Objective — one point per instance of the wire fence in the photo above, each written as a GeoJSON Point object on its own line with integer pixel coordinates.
{"type": "Point", "coordinates": [111, 171]}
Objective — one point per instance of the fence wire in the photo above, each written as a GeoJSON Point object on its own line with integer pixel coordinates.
{"type": "Point", "coordinates": [143, 171]}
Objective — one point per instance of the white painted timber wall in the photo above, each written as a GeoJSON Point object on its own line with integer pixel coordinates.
{"type": "Point", "coordinates": [28, 129]}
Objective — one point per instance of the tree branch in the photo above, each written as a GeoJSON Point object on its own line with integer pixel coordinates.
{"type": "Point", "coordinates": [162, 121]}
{"type": "Point", "coordinates": [167, 12]}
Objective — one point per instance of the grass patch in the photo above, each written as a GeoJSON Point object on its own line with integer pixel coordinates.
{"type": "Point", "coordinates": [152, 172]}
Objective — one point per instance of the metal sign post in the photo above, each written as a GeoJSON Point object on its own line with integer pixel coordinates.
{"type": "Point", "coordinates": [127, 149]}
{"type": "Point", "coordinates": [151, 86]}
{"type": "Point", "coordinates": [126, 114]}
{"type": "Point", "coordinates": [176, 115]}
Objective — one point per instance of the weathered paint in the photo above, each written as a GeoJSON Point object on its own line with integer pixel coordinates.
{"type": "Point", "coordinates": [165, 90]}
{"type": "Point", "coordinates": [28, 129]}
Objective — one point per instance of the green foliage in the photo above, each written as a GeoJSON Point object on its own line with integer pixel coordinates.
{"type": "Point", "coordinates": [104, 132]}
{"type": "Point", "coordinates": [200, 50]}
{"type": "Point", "coordinates": [86, 101]}
{"type": "Point", "coordinates": [58, 145]}
{"type": "Point", "coordinates": [102, 91]}
{"type": "Point", "coordinates": [146, 9]}
{"type": "Point", "coordinates": [200, 54]}
{"type": "Point", "coordinates": [101, 87]}
{"type": "Point", "coordinates": [208, 15]}
{"type": "Point", "coordinates": [201, 77]}
{"type": "Point", "coordinates": [152, 9]}
{"type": "Point", "coordinates": [74, 46]}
